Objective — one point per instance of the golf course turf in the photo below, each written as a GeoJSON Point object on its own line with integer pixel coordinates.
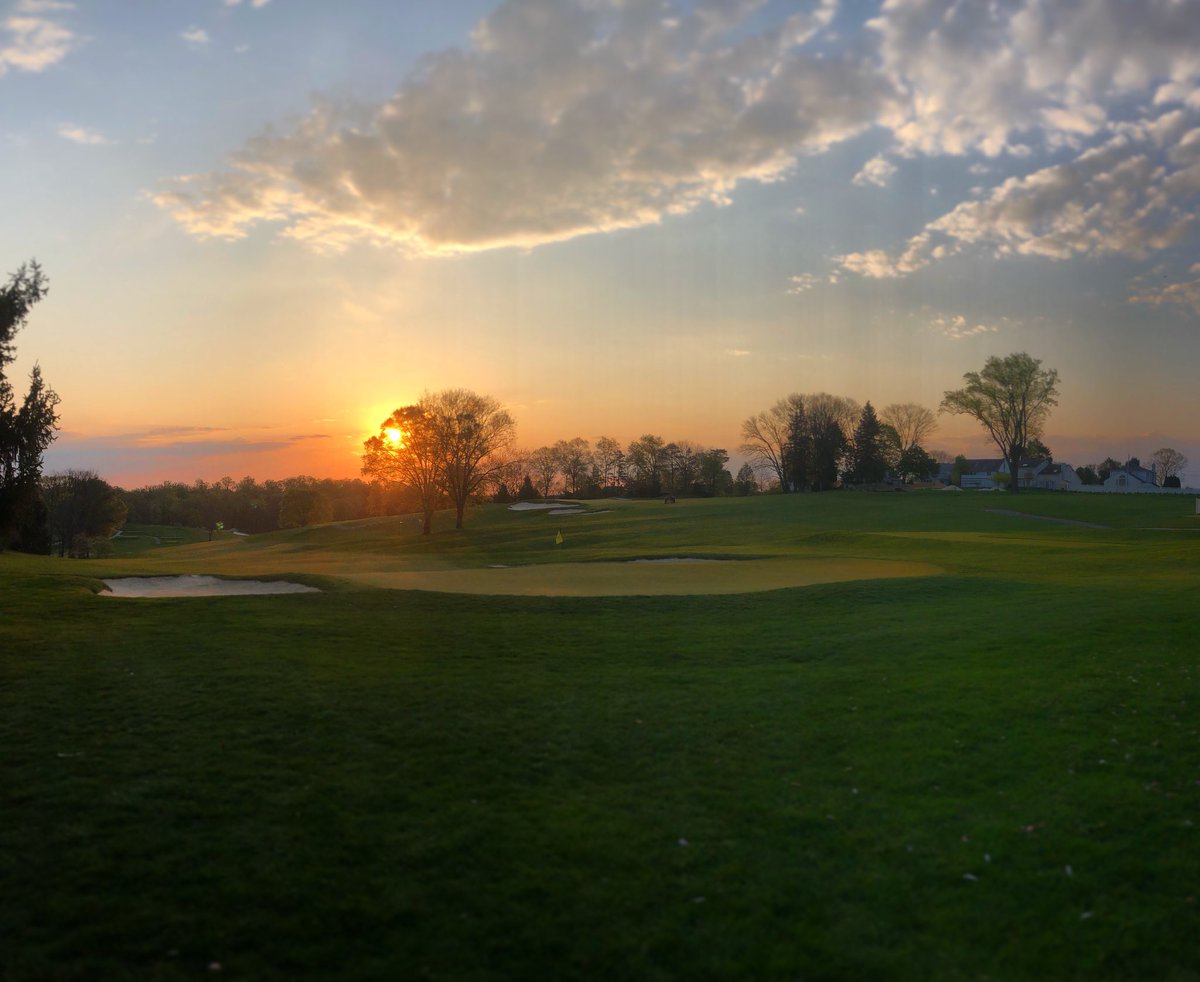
{"type": "Point", "coordinates": [988, 766]}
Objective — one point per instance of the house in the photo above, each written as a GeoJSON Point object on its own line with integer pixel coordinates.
{"type": "Point", "coordinates": [1130, 479]}
{"type": "Point", "coordinates": [1055, 477]}
{"type": "Point", "coordinates": [982, 474]}
{"type": "Point", "coordinates": [1049, 476]}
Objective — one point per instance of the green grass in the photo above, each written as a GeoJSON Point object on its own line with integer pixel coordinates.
{"type": "Point", "coordinates": [375, 783]}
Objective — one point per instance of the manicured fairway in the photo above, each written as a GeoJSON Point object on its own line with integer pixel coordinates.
{"type": "Point", "coordinates": [993, 771]}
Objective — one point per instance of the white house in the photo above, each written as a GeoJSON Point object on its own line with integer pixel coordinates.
{"type": "Point", "coordinates": [1130, 479]}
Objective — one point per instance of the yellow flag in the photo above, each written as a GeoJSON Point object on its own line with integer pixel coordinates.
{"type": "Point", "coordinates": [558, 539]}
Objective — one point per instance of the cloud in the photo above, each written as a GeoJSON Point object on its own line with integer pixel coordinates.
{"type": "Point", "coordinates": [978, 75]}
{"type": "Point", "coordinates": [737, 352]}
{"type": "Point", "coordinates": [802, 283]}
{"type": "Point", "coordinates": [877, 171]}
{"type": "Point", "coordinates": [81, 134]}
{"type": "Point", "coordinates": [195, 36]}
{"type": "Point", "coordinates": [1133, 195]}
{"type": "Point", "coordinates": [253, 3]}
{"type": "Point", "coordinates": [955, 327]}
{"type": "Point", "coordinates": [562, 119]}
{"type": "Point", "coordinates": [32, 37]}
{"type": "Point", "coordinates": [1183, 293]}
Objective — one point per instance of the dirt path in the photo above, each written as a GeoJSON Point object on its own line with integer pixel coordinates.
{"type": "Point", "coordinates": [1046, 518]}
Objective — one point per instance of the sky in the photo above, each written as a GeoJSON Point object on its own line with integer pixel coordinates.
{"type": "Point", "coordinates": [268, 223]}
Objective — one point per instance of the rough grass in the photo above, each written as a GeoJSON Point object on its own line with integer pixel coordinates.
{"type": "Point", "coordinates": [988, 773]}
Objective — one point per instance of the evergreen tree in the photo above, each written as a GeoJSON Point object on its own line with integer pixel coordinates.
{"type": "Point", "coordinates": [868, 463]}
{"type": "Point", "coordinates": [25, 432]}
{"type": "Point", "coordinates": [797, 451]}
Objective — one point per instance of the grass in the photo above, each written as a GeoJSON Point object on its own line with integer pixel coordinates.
{"type": "Point", "coordinates": [992, 772]}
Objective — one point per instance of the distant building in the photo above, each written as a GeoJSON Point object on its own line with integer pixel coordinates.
{"type": "Point", "coordinates": [1130, 479]}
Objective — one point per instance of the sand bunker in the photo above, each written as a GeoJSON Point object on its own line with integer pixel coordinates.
{"type": "Point", "coordinates": [677, 577]}
{"type": "Point", "coordinates": [536, 505]}
{"type": "Point", "coordinates": [198, 586]}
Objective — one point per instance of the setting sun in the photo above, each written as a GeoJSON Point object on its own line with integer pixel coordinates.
{"type": "Point", "coordinates": [394, 435]}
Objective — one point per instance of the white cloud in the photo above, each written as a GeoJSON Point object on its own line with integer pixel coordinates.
{"type": "Point", "coordinates": [1133, 195]}
{"type": "Point", "coordinates": [955, 327]}
{"type": "Point", "coordinates": [32, 38]}
{"type": "Point", "coordinates": [737, 353]}
{"type": "Point", "coordinates": [81, 134]}
{"type": "Point", "coordinates": [253, 3]}
{"type": "Point", "coordinates": [978, 74]}
{"type": "Point", "coordinates": [802, 283]}
{"type": "Point", "coordinates": [877, 171]}
{"type": "Point", "coordinates": [563, 119]}
{"type": "Point", "coordinates": [195, 35]}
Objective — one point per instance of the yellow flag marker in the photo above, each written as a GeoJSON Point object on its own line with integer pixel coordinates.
{"type": "Point", "coordinates": [558, 539]}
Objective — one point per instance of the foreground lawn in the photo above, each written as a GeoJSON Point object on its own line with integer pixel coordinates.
{"type": "Point", "coordinates": [991, 772]}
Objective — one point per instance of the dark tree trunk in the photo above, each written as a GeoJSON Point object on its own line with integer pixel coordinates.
{"type": "Point", "coordinates": [1014, 473]}
{"type": "Point", "coordinates": [428, 526]}
{"type": "Point", "coordinates": [459, 508]}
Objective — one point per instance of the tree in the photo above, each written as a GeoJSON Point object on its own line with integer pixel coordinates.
{"type": "Point", "coordinates": [765, 438]}
{"type": "Point", "coordinates": [474, 437]}
{"type": "Point", "coordinates": [1106, 467]}
{"type": "Point", "coordinates": [866, 457]}
{"type": "Point", "coordinates": [644, 457]}
{"type": "Point", "coordinates": [916, 465]}
{"type": "Point", "coordinates": [543, 465]}
{"type": "Point", "coordinates": [828, 448]}
{"type": "Point", "coordinates": [1167, 463]}
{"type": "Point", "coordinates": [1087, 475]}
{"type": "Point", "coordinates": [574, 461]}
{"type": "Point", "coordinates": [1011, 398]}
{"type": "Point", "coordinates": [961, 467]}
{"type": "Point", "coordinates": [1036, 450]}
{"type": "Point", "coordinates": [25, 432]}
{"type": "Point", "coordinates": [81, 506]}
{"type": "Point", "coordinates": [406, 452]}
{"type": "Point", "coordinates": [304, 504]}
{"type": "Point", "coordinates": [912, 423]}
{"type": "Point", "coordinates": [745, 483]}
{"type": "Point", "coordinates": [797, 449]}
{"type": "Point", "coordinates": [527, 491]}
{"type": "Point", "coordinates": [608, 457]}
{"type": "Point", "coordinates": [713, 475]}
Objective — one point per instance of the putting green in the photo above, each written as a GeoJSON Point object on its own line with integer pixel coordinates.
{"type": "Point", "coordinates": [643, 579]}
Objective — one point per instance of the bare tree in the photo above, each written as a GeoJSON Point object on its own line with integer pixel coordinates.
{"type": "Point", "coordinates": [543, 464]}
{"type": "Point", "coordinates": [765, 438]}
{"type": "Point", "coordinates": [574, 460]}
{"type": "Point", "coordinates": [1011, 398]}
{"type": "Point", "coordinates": [475, 435]}
{"type": "Point", "coordinates": [1167, 463]}
{"type": "Point", "coordinates": [911, 422]}
{"type": "Point", "coordinates": [608, 457]}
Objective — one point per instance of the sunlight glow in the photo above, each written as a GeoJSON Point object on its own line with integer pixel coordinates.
{"type": "Point", "coordinates": [394, 435]}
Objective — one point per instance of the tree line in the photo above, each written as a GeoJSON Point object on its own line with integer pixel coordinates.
{"type": "Point", "coordinates": [455, 447]}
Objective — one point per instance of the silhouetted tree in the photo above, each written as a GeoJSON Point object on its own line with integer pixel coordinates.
{"type": "Point", "coordinates": [1011, 397]}
{"type": "Point", "coordinates": [407, 451]}
{"type": "Point", "coordinates": [866, 454]}
{"type": "Point", "coordinates": [912, 423]}
{"type": "Point", "coordinates": [304, 504]}
{"type": "Point", "coordinates": [527, 492]}
{"type": "Point", "coordinates": [745, 483]}
{"type": "Point", "coordinates": [81, 506]}
{"type": "Point", "coordinates": [916, 465]}
{"type": "Point", "coordinates": [543, 464]}
{"type": "Point", "coordinates": [1168, 463]}
{"type": "Point", "coordinates": [475, 435]}
{"type": "Point", "coordinates": [765, 438]}
{"type": "Point", "coordinates": [27, 431]}
{"type": "Point", "coordinates": [797, 448]}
